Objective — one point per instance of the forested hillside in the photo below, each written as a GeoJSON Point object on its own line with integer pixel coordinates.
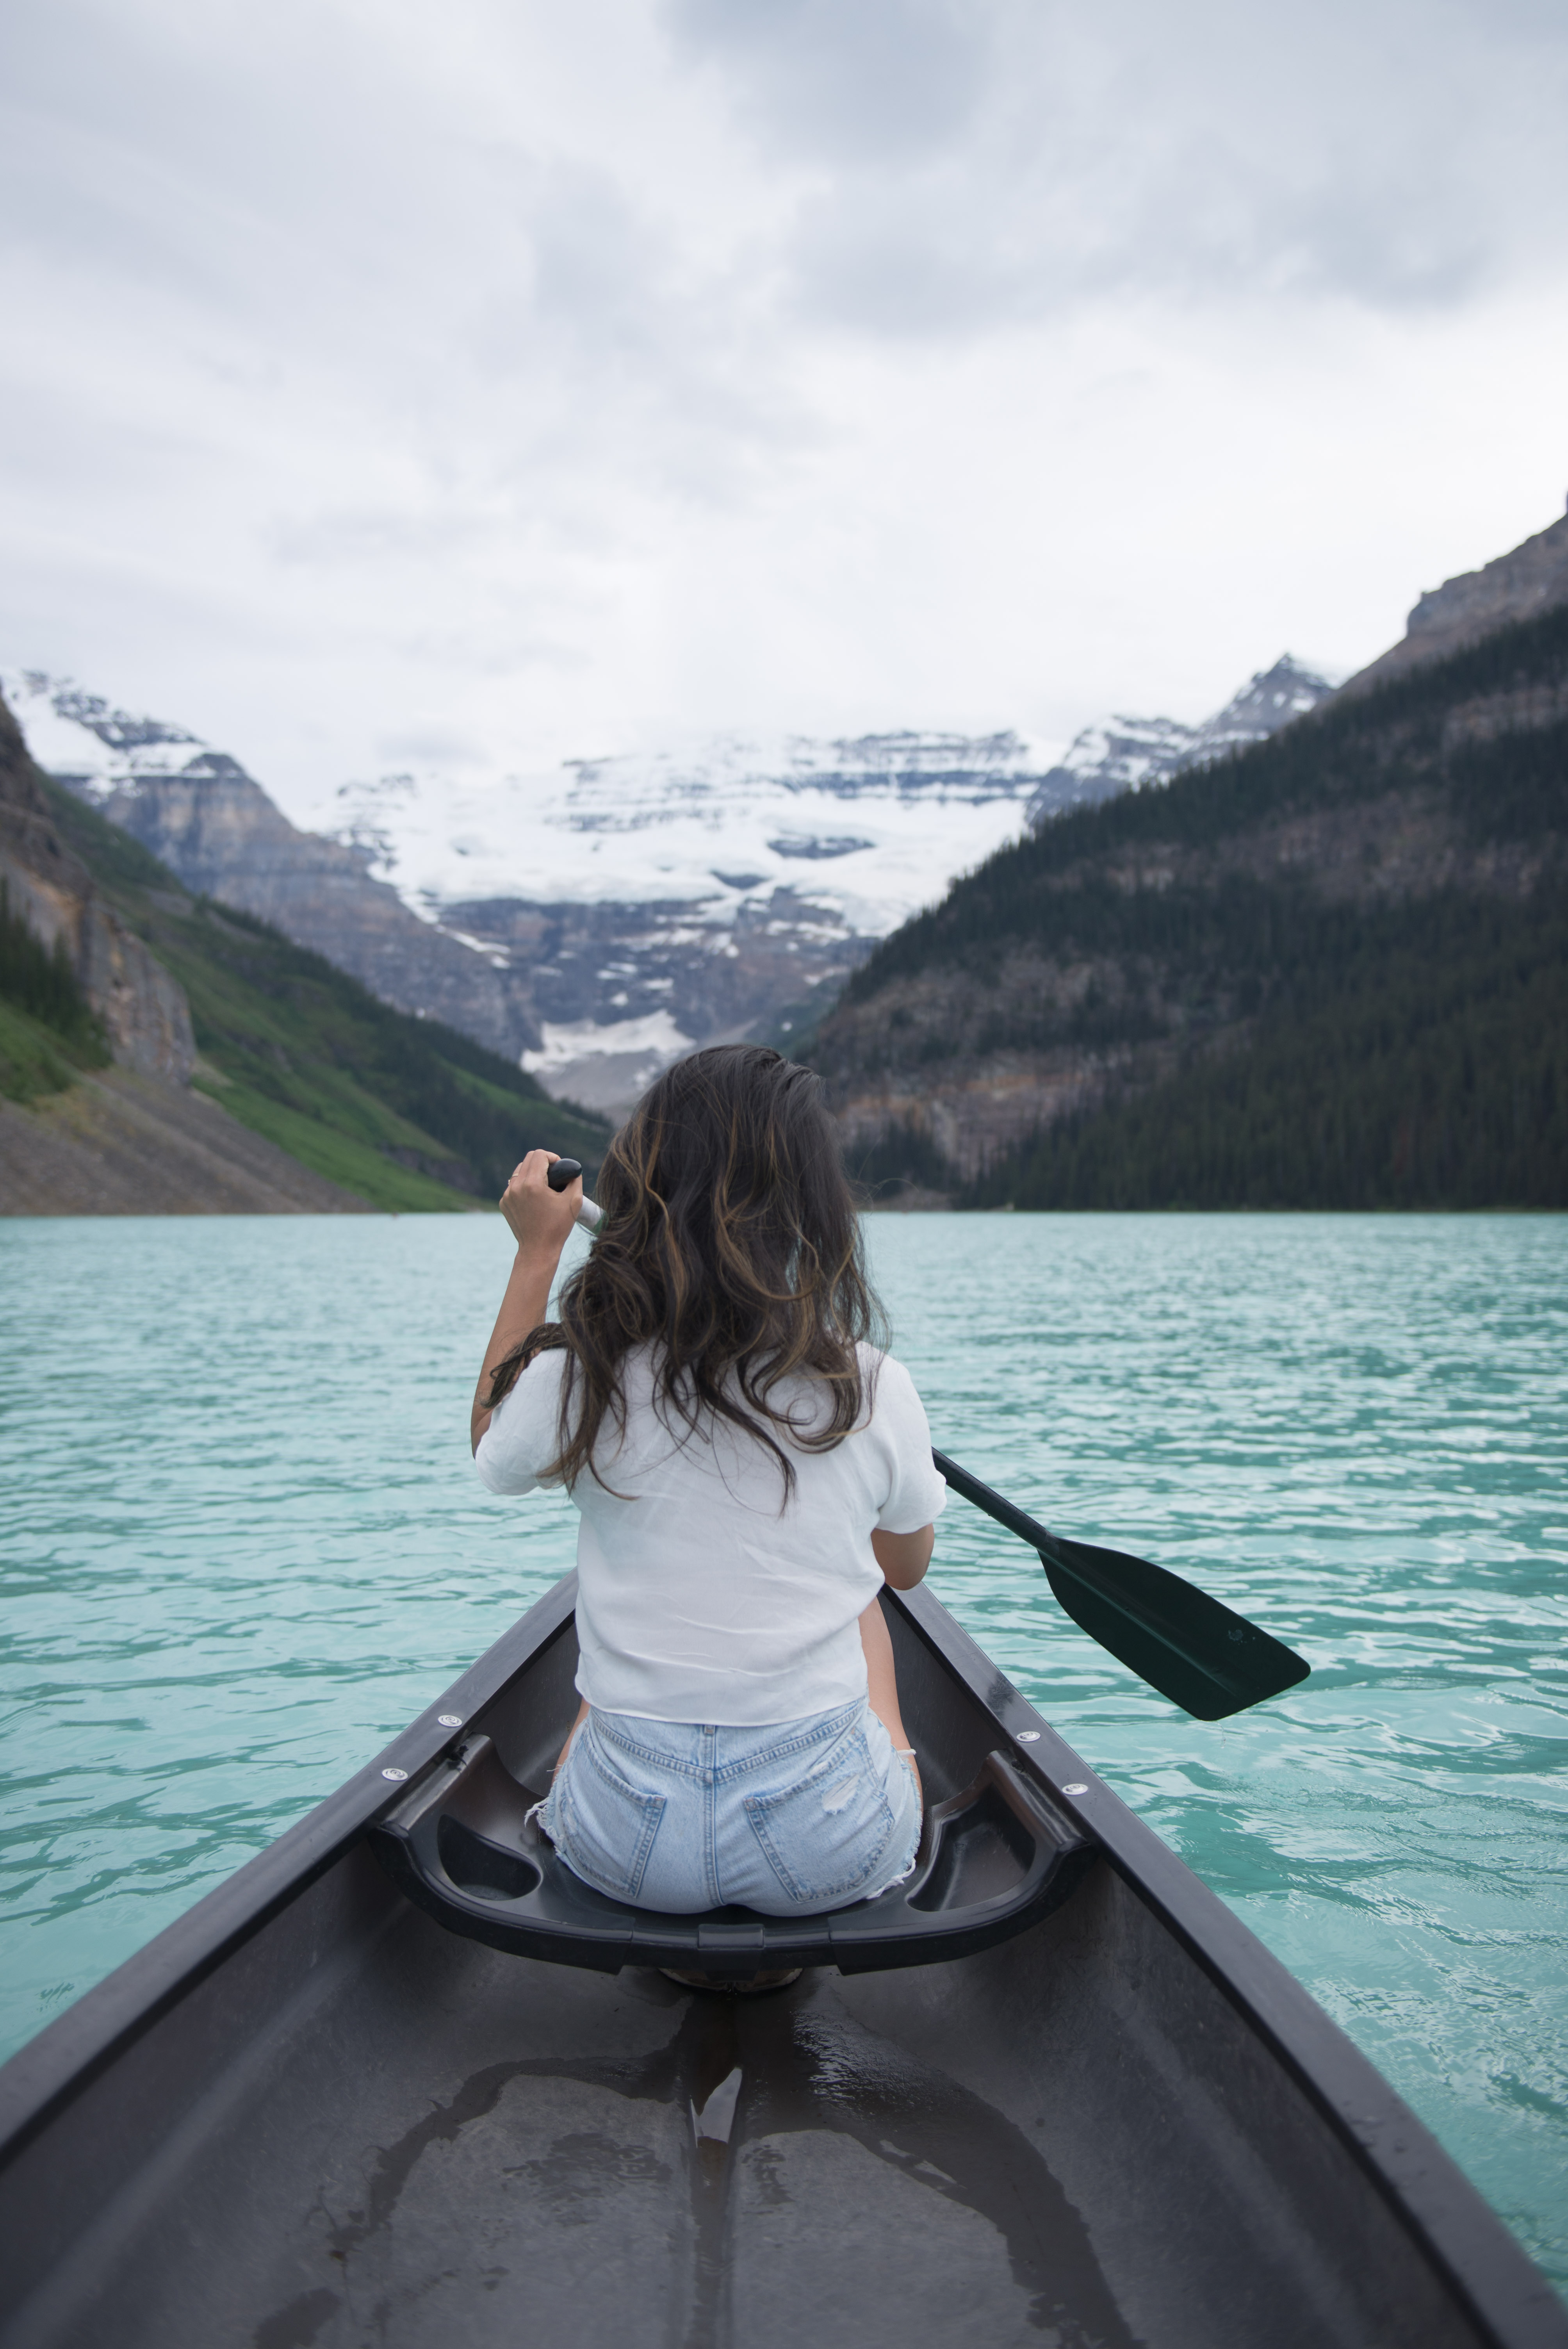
{"type": "Point", "coordinates": [403, 1112]}
{"type": "Point", "coordinates": [1330, 970]}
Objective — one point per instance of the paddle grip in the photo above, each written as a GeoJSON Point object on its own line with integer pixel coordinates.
{"type": "Point", "coordinates": [589, 1215]}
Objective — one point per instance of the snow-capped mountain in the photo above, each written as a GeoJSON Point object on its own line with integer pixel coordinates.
{"type": "Point", "coordinates": [598, 918]}
{"type": "Point", "coordinates": [670, 899]}
{"type": "Point", "coordinates": [1132, 754]}
{"type": "Point", "coordinates": [78, 738]}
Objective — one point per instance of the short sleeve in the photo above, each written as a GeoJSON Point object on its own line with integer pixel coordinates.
{"type": "Point", "coordinates": [917, 1494]}
{"type": "Point", "coordinates": [524, 1433]}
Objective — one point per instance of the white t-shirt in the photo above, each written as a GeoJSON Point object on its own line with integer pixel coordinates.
{"type": "Point", "coordinates": [700, 1596]}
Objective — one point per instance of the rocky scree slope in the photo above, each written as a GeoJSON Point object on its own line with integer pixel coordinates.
{"type": "Point", "coordinates": [404, 1112]}
{"type": "Point", "coordinates": [1329, 969]}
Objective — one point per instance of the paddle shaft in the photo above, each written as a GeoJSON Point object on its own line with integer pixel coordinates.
{"type": "Point", "coordinates": [970, 1488]}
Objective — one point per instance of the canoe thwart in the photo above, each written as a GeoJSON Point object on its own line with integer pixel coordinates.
{"type": "Point", "coordinates": [994, 1860]}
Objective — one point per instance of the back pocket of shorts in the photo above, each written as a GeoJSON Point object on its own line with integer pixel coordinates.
{"type": "Point", "coordinates": [606, 1825]}
{"type": "Point", "coordinates": [824, 1835]}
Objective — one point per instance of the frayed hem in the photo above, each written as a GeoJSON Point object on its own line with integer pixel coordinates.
{"type": "Point", "coordinates": [888, 1886]}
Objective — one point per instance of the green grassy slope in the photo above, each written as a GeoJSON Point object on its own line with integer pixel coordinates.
{"type": "Point", "coordinates": [34, 1058]}
{"type": "Point", "coordinates": [404, 1112]}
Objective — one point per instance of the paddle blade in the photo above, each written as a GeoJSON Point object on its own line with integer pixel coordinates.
{"type": "Point", "coordinates": [1206, 1659]}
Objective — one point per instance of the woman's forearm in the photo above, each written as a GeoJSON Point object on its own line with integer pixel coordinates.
{"type": "Point", "coordinates": [881, 1681]}
{"type": "Point", "coordinates": [540, 1220]}
{"type": "Point", "coordinates": [903, 1557]}
{"type": "Point", "coordinates": [522, 1308]}
{"type": "Point", "coordinates": [582, 1717]}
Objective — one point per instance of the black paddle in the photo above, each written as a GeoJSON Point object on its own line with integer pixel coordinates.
{"type": "Point", "coordinates": [1182, 1642]}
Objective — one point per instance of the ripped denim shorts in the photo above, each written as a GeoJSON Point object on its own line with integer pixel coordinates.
{"type": "Point", "coordinates": [788, 1819]}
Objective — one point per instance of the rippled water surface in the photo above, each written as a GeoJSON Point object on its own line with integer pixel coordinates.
{"type": "Point", "coordinates": [242, 1544]}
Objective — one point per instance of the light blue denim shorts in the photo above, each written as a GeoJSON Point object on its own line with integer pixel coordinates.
{"type": "Point", "coordinates": [788, 1819]}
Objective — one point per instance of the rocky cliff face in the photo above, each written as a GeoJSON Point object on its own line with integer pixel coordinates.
{"type": "Point", "coordinates": [1531, 579]}
{"type": "Point", "coordinates": [142, 1007]}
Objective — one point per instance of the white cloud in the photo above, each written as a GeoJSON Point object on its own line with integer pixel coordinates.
{"type": "Point", "coordinates": [542, 382]}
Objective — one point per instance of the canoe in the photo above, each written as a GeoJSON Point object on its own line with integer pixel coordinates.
{"type": "Point", "coordinates": [386, 2085]}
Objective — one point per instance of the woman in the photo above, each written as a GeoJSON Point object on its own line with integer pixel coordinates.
{"type": "Point", "coordinates": [749, 1469]}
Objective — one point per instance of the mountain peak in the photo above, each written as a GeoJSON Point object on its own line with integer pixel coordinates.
{"type": "Point", "coordinates": [70, 731]}
{"type": "Point", "coordinates": [1270, 700]}
{"type": "Point", "coordinates": [1132, 754]}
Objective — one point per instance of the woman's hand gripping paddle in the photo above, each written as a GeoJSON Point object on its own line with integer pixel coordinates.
{"type": "Point", "coordinates": [564, 1171]}
{"type": "Point", "coordinates": [1182, 1642]}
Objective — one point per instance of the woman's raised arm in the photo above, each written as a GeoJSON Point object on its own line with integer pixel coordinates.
{"type": "Point", "coordinates": [540, 1220]}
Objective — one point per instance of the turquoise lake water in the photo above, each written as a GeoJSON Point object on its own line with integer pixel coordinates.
{"type": "Point", "coordinates": [241, 1545]}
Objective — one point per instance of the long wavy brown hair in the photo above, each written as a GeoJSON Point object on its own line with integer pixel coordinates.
{"type": "Point", "coordinates": [731, 1246]}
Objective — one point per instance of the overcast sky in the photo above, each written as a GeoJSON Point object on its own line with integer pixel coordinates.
{"type": "Point", "coordinates": [391, 385]}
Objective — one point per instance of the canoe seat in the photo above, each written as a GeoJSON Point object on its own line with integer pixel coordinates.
{"type": "Point", "coordinates": [993, 1861]}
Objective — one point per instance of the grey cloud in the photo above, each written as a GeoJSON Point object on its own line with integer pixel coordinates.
{"type": "Point", "coordinates": [441, 351]}
{"type": "Point", "coordinates": [643, 351]}
{"type": "Point", "coordinates": [1025, 156]}
{"type": "Point", "coordinates": [850, 79]}
{"type": "Point", "coordinates": [586, 269]}
{"type": "Point", "coordinates": [300, 214]}
{"type": "Point", "coordinates": [252, 167]}
{"type": "Point", "coordinates": [596, 258]}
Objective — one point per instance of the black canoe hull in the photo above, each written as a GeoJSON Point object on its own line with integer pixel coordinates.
{"type": "Point", "coordinates": [308, 2117]}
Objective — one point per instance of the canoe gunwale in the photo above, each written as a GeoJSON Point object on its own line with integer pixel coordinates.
{"type": "Point", "coordinates": [70, 2052]}
{"type": "Point", "coordinates": [1504, 2293]}
{"type": "Point", "coordinates": [1506, 2298]}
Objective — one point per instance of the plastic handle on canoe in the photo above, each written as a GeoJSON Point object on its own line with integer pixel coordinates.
{"type": "Point", "coordinates": [589, 1215]}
